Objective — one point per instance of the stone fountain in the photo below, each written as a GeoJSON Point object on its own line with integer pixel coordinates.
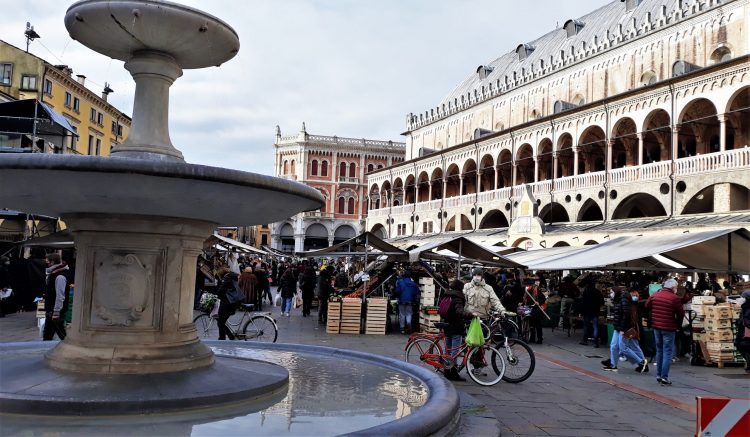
{"type": "Point", "coordinates": [139, 219]}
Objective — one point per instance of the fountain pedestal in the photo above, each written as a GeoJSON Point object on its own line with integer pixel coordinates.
{"type": "Point", "coordinates": [133, 306]}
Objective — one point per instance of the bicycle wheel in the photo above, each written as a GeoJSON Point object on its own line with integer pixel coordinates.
{"type": "Point", "coordinates": [519, 361]}
{"type": "Point", "coordinates": [486, 331]}
{"type": "Point", "coordinates": [525, 330]}
{"type": "Point", "coordinates": [206, 326]}
{"type": "Point", "coordinates": [261, 328]}
{"type": "Point", "coordinates": [485, 365]}
{"type": "Point", "coordinates": [422, 349]}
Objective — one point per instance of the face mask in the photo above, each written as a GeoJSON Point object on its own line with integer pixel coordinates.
{"type": "Point", "coordinates": [611, 294]}
{"type": "Point", "coordinates": [477, 279]}
{"type": "Point", "coordinates": [635, 298]}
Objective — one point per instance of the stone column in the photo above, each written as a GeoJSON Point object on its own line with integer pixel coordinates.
{"type": "Point", "coordinates": [429, 191]}
{"type": "Point", "coordinates": [536, 169]}
{"type": "Point", "coordinates": [416, 192]}
{"type": "Point", "coordinates": [514, 174]}
{"type": "Point", "coordinates": [445, 187]}
{"type": "Point", "coordinates": [640, 147]}
{"type": "Point", "coordinates": [299, 242]}
{"type": "Point", "coordinates": [497, 172]}
{"type": "Point", "coordinates": [722, 197]}
{"type": "Point", "coordinates": [575, 160]}
{"type": "Point", "coordinates": [722, 132]}
{"type": "Point", "coordinates": [555, 156]}
{"type": "Point", "coordinates": [133, 309]}
{"type": "Point", "coordinates": [460, 184]}
{"type": "Point", "coordinates": [675, 141]}
{"type": "Point", "coordinates": [330, 240]}
{"type": "Point", "coordinates": [479, 182]}
{"type": "Point", "coordinates": [608, 155]}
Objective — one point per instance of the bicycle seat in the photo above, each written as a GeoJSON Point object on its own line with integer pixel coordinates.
{"type": "Point", "coordinates": [248, 306]}
{"type": "Point", "coordinates": [440, 325]}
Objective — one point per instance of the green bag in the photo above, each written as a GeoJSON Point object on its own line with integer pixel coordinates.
{"type": "Point", "coordinates": [474, 336]}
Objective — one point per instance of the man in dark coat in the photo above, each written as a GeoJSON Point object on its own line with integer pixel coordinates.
{"type": "Point", "coordinates": [56, 296]}
{"type": "Point", "coordinates": [591, 304]}
{"type": "Point", "coordinates": [307, 284]}
{"type": "Point", "coordinates": [456, 320]}
{"type": "Point", "coordinates": [226, 309]}
{"type": "Point", "coordinates": [325, 290]}
{"type": "Point", "coordinates": [666, 315]}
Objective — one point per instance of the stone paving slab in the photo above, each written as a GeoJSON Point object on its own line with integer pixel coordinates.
{"type": "Point", "coordinates": [556, 400]}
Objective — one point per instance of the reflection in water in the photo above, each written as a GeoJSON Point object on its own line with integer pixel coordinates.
{"type": "Point", "coordinates": [327, 395]}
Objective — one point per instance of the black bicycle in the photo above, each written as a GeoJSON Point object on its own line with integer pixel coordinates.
{"type": "Point", "coordinates": [519, 358]}
{"type": "Point", "coordinates": [251, 325]}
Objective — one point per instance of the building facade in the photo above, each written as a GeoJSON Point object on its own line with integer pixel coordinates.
{"type": "Point", "coordinates": [638, 110]}
{"type": "Point", "coordinates": [99, 125]}
{"type": "Point", "coordinates": [337, 167]}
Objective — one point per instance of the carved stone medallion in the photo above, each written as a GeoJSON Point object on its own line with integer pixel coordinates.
{"type": "Point", "coordinates": [122, 288]}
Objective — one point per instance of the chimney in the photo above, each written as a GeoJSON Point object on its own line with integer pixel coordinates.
{"type": "Point", "coordinates": [106, 91]}
{"type": "Point", "coordinates": [81, 79]}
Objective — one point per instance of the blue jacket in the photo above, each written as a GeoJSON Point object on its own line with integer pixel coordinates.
{"type": "Point", "coordinates": [406, 291]}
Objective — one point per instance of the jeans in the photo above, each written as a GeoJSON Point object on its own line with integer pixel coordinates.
{"type": "Point", "coordinates": [286, 304]}
{"type": "Point", "coordinates": [452, 343]}
{"type": "Point", "coordinates": [404, 315]}
{"type": "Point", "coordinates": [664, 343]}
{"type": "Point", "coordinates": [627, 346]}
{"type": "Point", "coordinates": [587, 322]}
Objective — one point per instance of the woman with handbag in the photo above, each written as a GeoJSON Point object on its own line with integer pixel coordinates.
{"type": "Point", "coordinates": [227, 303]}
{"type": "Point", "coordinates": [626, 331]}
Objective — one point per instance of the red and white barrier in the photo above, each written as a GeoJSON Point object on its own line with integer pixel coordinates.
{"type": "Point", "coordinates": [723, 417]}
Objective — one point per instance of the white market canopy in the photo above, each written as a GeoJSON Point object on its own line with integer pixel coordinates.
{"type": "Point", "coordinates": [463, 248]}
{"type": "Point", "coordinates": [723, 250]}
{"type": "Point", "coordinates": [366, 243]}
{"type": "Point", "coordinates": [220, 242]}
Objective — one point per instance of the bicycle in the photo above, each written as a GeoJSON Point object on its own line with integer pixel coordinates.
{"type": "Point", "coordinates": [519, 357]}
{"type": "Point", "coordinates": [425, 350]}
{"type": "Point", "coordinates": [258, 327]}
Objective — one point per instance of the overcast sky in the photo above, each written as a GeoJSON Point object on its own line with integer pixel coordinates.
{"type": "Point", "coordinates": [350, 68]}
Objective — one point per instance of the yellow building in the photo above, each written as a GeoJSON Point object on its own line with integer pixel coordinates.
{"type": "Point", "coordinates": [99, 125]}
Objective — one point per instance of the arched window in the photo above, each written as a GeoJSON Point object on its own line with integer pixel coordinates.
{"type": "Point", "coordinates": [380, 166]}
{"type": "Point", "coordinates": [342, 169]}
{"type": "Point", "coordinates": [377, 204]}
{"type": "Point", "coordinates": [314, 169]}
{"type": "Point", "coordinates": [370, 168]}
{"type": "Point", "coordinates": [721, 54]}
{"type": "Point", "coordinates": [352, 170]}
{"type": "Point", "coordinates": [286, 167]}
{"type": "Point", "coordinates": [342, 205]}
{"type": "Point", "coordinates": [350, 210]}
{"type": "Point", "coordinates": [292, 166]}
{"type": "Point", "coordinates": [324, 168]}
{"type": "Point", "coordinates": [649, 78]}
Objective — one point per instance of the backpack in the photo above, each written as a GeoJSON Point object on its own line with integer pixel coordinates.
{"type": "Point", "coordinates": [444, 307]}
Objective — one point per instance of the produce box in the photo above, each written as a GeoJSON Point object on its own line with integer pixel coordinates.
{"type": "Point", "coordinates": [426, 281]}
{"type": "Point", "coordinates": [719, 335]}
{"type": "Point", "coordinates": [704, 300]}
{"type": "Point", "coordinates": [351, 316]}
{"type": "Point", "coordinates": [718, 312]}
{"type": "Point", "coordinates": [712, 324]}
{"type": "Point", "coordinates": [699, 336]}
{"type": "Point", "coordinates": [720, 346]}
{"type": "Point", "coordinates": [699, 309]}
{"type": "Point", "coordinates": [334, 317]}
{"type": "Point", "coordinates": [377, 313]}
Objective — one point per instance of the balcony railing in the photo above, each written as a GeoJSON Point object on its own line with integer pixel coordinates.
{"type": "Point", "coordinates": [729, 160]}
{"type": "Point", "coordinates": [401, 209]}
{"type": "Point", "coordinates": [318, 214]}
{"type": "Point", "coordinates": [348, 180]}
{"type": "Point", "coordinates": [375, 213]}
{"type": "Point", "coordinates": [289, 176]}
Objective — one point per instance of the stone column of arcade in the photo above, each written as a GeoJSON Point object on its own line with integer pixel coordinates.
{"type": "Point", "coordinates": [139, 219]}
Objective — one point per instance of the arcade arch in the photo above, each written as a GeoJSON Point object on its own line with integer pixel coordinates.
{"type": "Point", "coordinates": [639, 205]}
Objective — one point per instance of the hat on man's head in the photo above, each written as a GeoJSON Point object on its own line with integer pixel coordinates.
{"type": "Point", "coordinates": [477, 271]}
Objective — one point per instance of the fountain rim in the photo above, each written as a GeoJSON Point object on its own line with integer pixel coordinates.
{"type": "Point", "coordinates": [438, 416]}
{"type": "Point", "coordinates": [159, 168]}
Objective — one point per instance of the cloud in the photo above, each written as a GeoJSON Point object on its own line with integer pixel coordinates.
{"type": "Point", "coordinates": [347, 68]}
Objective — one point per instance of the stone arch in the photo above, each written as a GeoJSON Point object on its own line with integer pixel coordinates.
{"type": "Point", "coordinates": [410, 189]}
{"type": "Point", "coordinates": [494, 219]}
{"type": "Point", "coordinates": [639, 205]}
{"type": "Point", "coordinates": [343, 232]}
{"type": "Point", "coordinates": [721, 54]}
{"type": "Point", "coordinates": [316, 236]}
{"type": "Point", "coordinates": [424, 187]}
{"type": "Point", "coordinates": [385, 194]}
{"type": "Point", "coordinates": [436, 182]}
{"type": "Point", "coordinates": [487, 169]}
{"type": "Point", "coordinates": [451, 224]}
{"type": "Point", "coordinates": [518, 242]}
{"type": "Point", "coordinates": [452, 181]}
{"type": "Point", "coordinates": [561, 244]}
{"type": "Point", "coordinates": [704, 200]}
{"type": "Point", "coordinates": [469, 175]}
{"type": "Point", "coordinates": [698, 128]}
{"type": "Point", "coordinates": [466, 224]}
{"type": "Point", "coordinates": [291, 167]}
{"type": "Point", "coordinates": [738, 119]}
{"type": "Point", "coordinates": [342, 169]}
{"type": "Point", "coordinates": [554, 212]}
{"type": "Point", "coordinates": [314, 167]}
{"type": "Point", "coordinates": [592, 151]}
{"type": "Point", "coordinates": [398, 191]}
{"type": "Point", "coordinates": [505, 169]}
{"type": "Point", "coordinates": [590, 211]}
{"type": "Point", "coordinates": [525, 164]}
{"type": "Point", "coordinates": [624, 143]}
{"type": "Point", "coordinates": [379, 231]}
{"type": "Point", "coordinates": [544, 158]}
{"type": "Point", "coordinates": [657, 136]}
{"type": "Point", "coordinates": [590, 243]}
{"type": "Point", "coordinates": [374, 197]}
{"type": "Point", "coordinates": [565, 155]}
{"type": "Point", "coordinates": [324, 168]}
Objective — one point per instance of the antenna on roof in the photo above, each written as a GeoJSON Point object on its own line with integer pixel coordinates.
{"type": "Point", "coordinates": [31, 35]}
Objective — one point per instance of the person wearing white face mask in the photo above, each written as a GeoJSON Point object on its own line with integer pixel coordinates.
{"type": "Point", "coordinates": [480, 297]}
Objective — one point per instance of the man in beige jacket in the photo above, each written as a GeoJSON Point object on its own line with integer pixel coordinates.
{"type": "Point", "coordinates": [480, 297]}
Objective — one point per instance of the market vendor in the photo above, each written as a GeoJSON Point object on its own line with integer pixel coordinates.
{"type": "Point", "coordinates": [407, 293]}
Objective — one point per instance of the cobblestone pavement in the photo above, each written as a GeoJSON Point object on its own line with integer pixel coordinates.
{"type": "Point", "coordinates": [568, 395]}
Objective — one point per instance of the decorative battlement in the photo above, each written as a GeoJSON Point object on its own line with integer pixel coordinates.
{"type": "Point", "coordinates": [363, 143]}
{"type": "Point", "coordinates": [552, 59]}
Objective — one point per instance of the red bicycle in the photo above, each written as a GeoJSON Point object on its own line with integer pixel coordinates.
{"type": "Point", "coordinates": [485, 365]}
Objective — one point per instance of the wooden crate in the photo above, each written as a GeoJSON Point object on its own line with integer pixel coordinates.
{"type": "Point", "coordinates": [719, 335]}
{"type": "Point", "coordinates": [712, 324]}
{"type": "Point", "coordinates": [334, 317]}
{"type": "Point", "coordinates": [719, 312]}
{"type": "Point", "coordinates": [377, 314]}
{"type": "Point", "coordinates": [351, 316]}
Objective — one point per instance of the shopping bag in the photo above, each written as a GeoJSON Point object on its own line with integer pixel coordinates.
{"type": "Point", "coordinates": [474, 336]}
{"type": "Point", "coordinates": [277, 299]}
{"type": "Point", "coordinates": [215, 309]}
{"type": "Point", "coordinates": [297, 300]}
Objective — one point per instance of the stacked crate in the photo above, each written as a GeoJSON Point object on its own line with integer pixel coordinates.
{"type": "Point", "coordinates": [718, 321]}
{"type": "Point", "coordinates": [333, 317]}
{"type": "Point", "coordinates": [377, 313]}
{"type": "Point", "coordinates": [351, 316]}
{"type": "Point", "coordinates": [426, 304]}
